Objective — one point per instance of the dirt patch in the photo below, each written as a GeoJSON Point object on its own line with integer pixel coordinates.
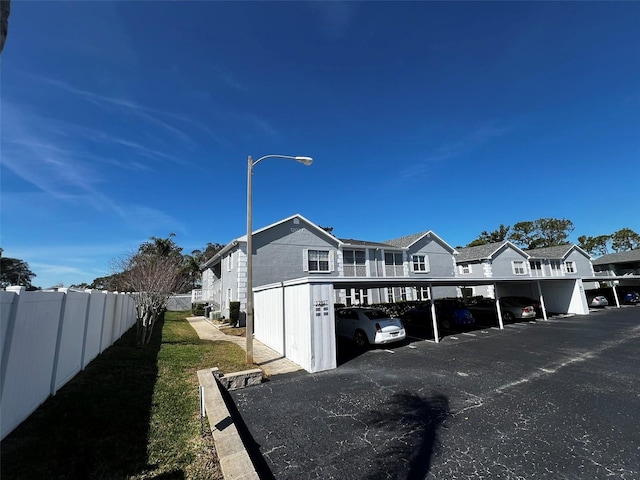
{"type": "Point", "coordinates": [234, 331]}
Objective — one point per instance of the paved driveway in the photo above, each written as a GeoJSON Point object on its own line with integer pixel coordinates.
{"type": "Point", "coordinates": [546, 400]}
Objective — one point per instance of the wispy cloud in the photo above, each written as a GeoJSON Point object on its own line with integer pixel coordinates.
{"type": "Point", "coordinates": [61, 168]}
{"type": "Point", "coordinates": [148, 114]}
{"type": "Point", "coordinates": [456, 149]}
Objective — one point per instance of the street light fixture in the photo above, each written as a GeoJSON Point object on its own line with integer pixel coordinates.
{"type": "Point", "coordinates": [249, 313]}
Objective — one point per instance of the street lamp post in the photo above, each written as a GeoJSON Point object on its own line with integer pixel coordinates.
{"type": "Point", "coordinates": [249, 313]}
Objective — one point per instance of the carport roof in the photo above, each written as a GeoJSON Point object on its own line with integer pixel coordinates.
{"type": "Point", "coordinates": [620, 257]}
{"type": "Point", "coordinates": [382, 282]}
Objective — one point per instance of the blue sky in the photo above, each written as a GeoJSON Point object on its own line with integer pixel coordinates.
{"type": "Point", "coordinates": [131, 119]}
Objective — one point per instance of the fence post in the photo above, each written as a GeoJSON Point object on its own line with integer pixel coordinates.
{"type": "Point", "coordinates": [6, 342]}
{"type": "Point", "coordinates": [86, 328]}
{"type": "Point", "coordinates": [56, 358]}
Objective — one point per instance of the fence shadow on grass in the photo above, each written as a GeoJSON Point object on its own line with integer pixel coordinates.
{"type": "Point", "coordinates": [97, 425]}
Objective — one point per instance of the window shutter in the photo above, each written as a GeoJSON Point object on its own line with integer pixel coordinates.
{"type": "Point", "coordinates": [411, 259]}
{"type": "Point", "coordinates": [427, 267]}
{"type": "Point", "coordinates": [305, 260]}
{"type": "Point", "coordinates": [331, 261]}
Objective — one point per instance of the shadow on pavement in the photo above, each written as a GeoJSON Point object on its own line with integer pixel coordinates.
{"type": "Point", "coordinates": [406, 412]}
{"type": "Point", "coordinates": [347, 350]}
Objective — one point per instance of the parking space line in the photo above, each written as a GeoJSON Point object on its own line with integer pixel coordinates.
{"type": "Point", "coordinates": [415, 338]}
{"type": "Point", "coordinates": [469, 334]}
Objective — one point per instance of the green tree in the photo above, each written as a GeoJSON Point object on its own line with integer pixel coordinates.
{"type": "Point", "coordinates": [14, 271]}
{"type": "Point", "coordinates": [543, 232]}
{"type": "Point", "coordinates": [5, 10]}
{"type": "Point", "coordinates": [196, 259]}
{"type": "Point", "coordinates": [624, 240]}
{"type": "Point", "coordinates": [485, 237]}
{"type": "Point", "coordinates": [596, 246]}
{"type": "Point", "coordinates": [210, 250]}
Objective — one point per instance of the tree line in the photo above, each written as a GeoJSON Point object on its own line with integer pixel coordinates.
{"type": "Point", "coordinates": [543, 232]}
{"type": "Point", "coordinates": [552, 232]}
{"type": "Point", "coordinates": [158, 269]}
{"type": "Point", "coordinates": [14, 271]}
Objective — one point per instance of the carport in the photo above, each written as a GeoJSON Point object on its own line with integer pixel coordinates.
{"type": "Point", "coordinates": [296, 318]}
{"type": "Point", "coordinates": [616, 282]}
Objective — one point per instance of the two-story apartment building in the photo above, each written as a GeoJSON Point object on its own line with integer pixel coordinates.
{"type": "Point", "coordinates": [296, 247]}
{"type": "Point", "coordinates": [504, 260]}
{"type": "Point", "coordinates": [561, 261]}
{"type": "Point", "coordinates": [498, 259]}
{"type": "Point", "coordinates": [620, 263]}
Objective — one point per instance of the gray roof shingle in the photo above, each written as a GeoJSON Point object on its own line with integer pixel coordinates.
{"type": "Point", "coordinates": [351, 241]}
{"type": "Point", "coordinates": [550, 252]}
{"type": "Point", "coordinates": [479, 252]}
{"type": "Point", "coordinates": [620, 257]}
{"type": "Point", "coordinates": [407, 240]}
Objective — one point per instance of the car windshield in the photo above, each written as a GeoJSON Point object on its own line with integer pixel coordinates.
{"type": "Point", "coordinates": [375, 314]}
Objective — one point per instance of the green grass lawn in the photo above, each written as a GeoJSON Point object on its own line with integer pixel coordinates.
{"type": "Point", "coordinates": [133, 413]}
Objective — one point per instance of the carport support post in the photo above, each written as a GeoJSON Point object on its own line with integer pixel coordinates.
{"type": "Point", "coordinates": [615, 293]}
{"type": "Point", "coordinates": [544, 309]}
{"type": "Point", "coordinates": [434, 318]}
{"type": "Point", "coordinates": [498, 307]}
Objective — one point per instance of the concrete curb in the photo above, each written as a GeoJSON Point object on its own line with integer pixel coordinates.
{"type": "Point", "coordinates": [235, 462]}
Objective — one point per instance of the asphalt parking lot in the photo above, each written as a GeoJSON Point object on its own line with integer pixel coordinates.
{"type": "Point", "coordinates": [548, 400]}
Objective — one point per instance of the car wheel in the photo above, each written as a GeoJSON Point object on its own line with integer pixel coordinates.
{"type": "Point", "coordinates": [361, 339]}
{"type": "Point", "coordinates": [508, 317]}
{"type": "Point", "coordinates": [446, 324]}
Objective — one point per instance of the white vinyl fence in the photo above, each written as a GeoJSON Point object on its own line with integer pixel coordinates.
{"type": "Point", "coordinates": [47, 338]}
{"type": "Point", "coordinates": [179, 303]}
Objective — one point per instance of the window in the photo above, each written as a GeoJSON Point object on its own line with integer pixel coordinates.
{"type": "Point", "coordinates": [536, 268]}
{"type": "Point", "coordinates": [467, 292]}
{"type": "Point", "coordinates": [357, 296]}
{"type": "Point", "coordinates": [570, 267]}
{"type": "Point", "coordinates": [389, 295]}
{"type": "Point", "coordinates": [318, 261]}
{"type": "Point", "coordinates": [422, 293]}
{"type": "Point", "coordinates": [420, 263]}
{"type": "Point", "coordinates": [555, 268]}
{"type": "Point", "coordinates": [393, 264]}
{"type": "Point", "coordinates": [465, 269]}
{"type": "Point", "coordinates": [518, 267]}
{"type": "Point", "coordinates": [354, 263]}
{"type": "Point", "coordinates": [403, 293]}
